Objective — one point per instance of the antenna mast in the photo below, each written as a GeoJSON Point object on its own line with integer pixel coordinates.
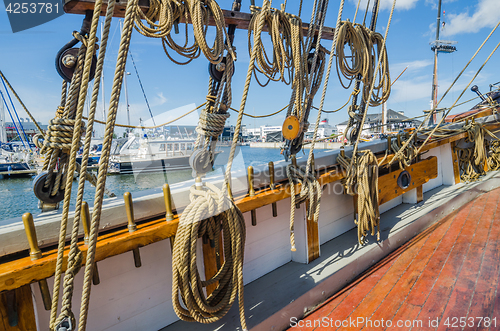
{"type": "Point", "coordinates": [438, 46]}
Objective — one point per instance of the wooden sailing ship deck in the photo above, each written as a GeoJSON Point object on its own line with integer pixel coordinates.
{"type": "Point", "coordinates": [445, 278]}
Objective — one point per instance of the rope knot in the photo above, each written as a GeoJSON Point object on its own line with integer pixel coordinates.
{"type": "Point", "coordinates": [210, 124]}
{"type": "Point", "coordinates": [59, 134]}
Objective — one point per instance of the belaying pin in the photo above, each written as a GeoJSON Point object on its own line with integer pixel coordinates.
{"type": "Point", "coordinates": [272, 185]}
{"type": "Point", "coordinates": [35, 254]}
{"type": "Point", "coordinates": [251, 193]}
{"type": "Point", "coordinates": [169, 215]}
{"type": "Point", "coordinates": [129, 207]}
{"type": "Point", "coordinates": [86, 238]}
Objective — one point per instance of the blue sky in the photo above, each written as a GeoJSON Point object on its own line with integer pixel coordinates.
{"type": "Point", "coordinates": [27, 59]}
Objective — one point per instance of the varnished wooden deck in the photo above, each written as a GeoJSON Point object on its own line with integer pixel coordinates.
{"type": "Point", "coordinates": [448, 272]}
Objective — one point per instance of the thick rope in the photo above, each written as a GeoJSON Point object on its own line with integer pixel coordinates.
{"type": "Point", "coordinates": [208, 204]}
{"type": "Point", "coordinates": [168, 12]}
{"type": "Point", "coordinates": [75, 80]}
{"type": "Point", "coordinates": [310, 188]}
{"type": "Point", "coordinates": [74, 257]}
{"type": "Point", "coordinates": [362, 181]}
{"type": "Point", "coordinates": [103, 164]}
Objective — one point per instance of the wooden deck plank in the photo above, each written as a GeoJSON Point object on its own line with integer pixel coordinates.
{"type": "Point", "coordinates": [420, 291]}
{"type": "Point", "coordinates": [450, 269]}
{"type": "Point", "coordinates": [371, 275]}
{"type": "Point", "coordinates": [396, 297]}
{"type": "Point", "coordinates": [484, 296]}
{"type": "Point", "coordinates": [445, 283]}
{"type": "Point", "coordinates": [369, 302]}
{"type": "Point", "coordinates": [461, 297]}
{"type": "Point", "coordinates": [389, 283]}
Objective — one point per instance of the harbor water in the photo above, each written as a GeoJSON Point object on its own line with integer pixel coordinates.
{"type": "Point", "coordinates": [17, 195]}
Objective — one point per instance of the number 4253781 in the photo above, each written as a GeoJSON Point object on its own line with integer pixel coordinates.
{"type": "Point", "coordinates": [461, 322]}
{"type": "Point", "coordinates": [32, 8]}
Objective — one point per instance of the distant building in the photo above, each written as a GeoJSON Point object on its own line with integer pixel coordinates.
{"type": "Point", "coordinates": [29, 128]}
{"type": "Point", "coordinates": [396, 121]}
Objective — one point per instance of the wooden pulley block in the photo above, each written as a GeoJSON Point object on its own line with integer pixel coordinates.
{"type": "Point", "coordinates": [291, 127]}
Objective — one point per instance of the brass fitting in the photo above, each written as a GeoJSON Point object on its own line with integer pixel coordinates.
{"type": "Point", "coordinates": [169, 215]}
{"type": "Point", "coordinates": [35, 254]}
{"type": "Point", "coordinates": [29, 227]}
{"type": "Point", "coordinates": [132, 227]}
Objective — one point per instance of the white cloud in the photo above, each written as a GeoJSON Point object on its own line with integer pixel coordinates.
{"type": "Point", "coordinates": [434, 3]}
{"type": "Point", "coordinates": [387, 4]}
{"type": "Point", "coordinates": [413, 66]}
{"type": "Point", "coordinates": [159, 100]}
{"type": "Point", "coordinates": [486, 14]}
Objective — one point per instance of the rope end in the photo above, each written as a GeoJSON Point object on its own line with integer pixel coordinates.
{"type": "Point", "coordinates": [293, 249]}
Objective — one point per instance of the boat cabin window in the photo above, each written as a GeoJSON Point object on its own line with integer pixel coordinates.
{"type": "Point", "coordinates": [162, 147]}
{"type": "Point", "coordinates": [189, 146]}
{"type": "Point", "coordinates": [169, 147]}
{"type": "Point", "coordinates": [183, 147]}
{"type": "Point", "coordinates": [134, 145]}
{"type": "Point", "coordinates": [176, 147]}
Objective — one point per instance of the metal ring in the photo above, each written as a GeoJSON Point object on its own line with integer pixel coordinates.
{"type": "Point", "coordinates": [404, 179]}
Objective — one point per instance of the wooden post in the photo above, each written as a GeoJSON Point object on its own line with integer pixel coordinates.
{"type": "Point", "coordinates": [251, 193]}
{"type": "Point", "coordinates": [456, 166]}
{"type": "Point", "coordinates": [16, 310]}
{"type": "Point", "coordinates": [211, 261]}
{"type": "Point", "coordinates": [312, 238]}
{"type": "Point", "coordinates": [272, 185]}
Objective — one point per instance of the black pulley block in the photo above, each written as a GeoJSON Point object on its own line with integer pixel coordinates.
{"type": "Point", "coordinates": [216, 71]}
{"type": "Point", "coordinates": [66, 63]}
{"type": "Point", "coordinates": [44, 193]}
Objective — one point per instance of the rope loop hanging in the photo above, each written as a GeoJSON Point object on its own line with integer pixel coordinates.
{"type": "Point", "coordinates": [165, 14]}
{"type": "Point", "coordinates": [365, 49]}
{"type": "Point", "coordinates": [361, 180]}
{"type": "Point", "coordinates": [210, 209]}
{"type": "Point", "coordinates": [310, 190]}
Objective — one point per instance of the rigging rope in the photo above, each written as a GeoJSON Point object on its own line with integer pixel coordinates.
{"type": "Point", "coordinates": [75, 257]}
{"type": "Point", "coordinates": [103, 164]}
{"type": "Point", "coordinates": [362, 181]}
{"type": "Point", "coordinates": [398, 155]}
{"type": "Point", "coordinates": [362, 169]}
{"type": "Point", "coordinates": [21, 102]}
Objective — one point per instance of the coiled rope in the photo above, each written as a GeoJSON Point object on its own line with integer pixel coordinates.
{"type": "Point", "coordinates": [362, 169]}
{"type": "Point", "coordinates": [361, 180]}
{"type": "Point", "coordinates": [365, 47]}
{"type": "Point", "coordinates": [162, 15]}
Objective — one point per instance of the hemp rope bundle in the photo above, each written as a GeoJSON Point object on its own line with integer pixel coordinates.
{"type": "Point", "coordinates": [208, 205]}
{"type": "Point", "coordinates": [167, 12]}
{"type": "Point", "coordinates": [362, 180]}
